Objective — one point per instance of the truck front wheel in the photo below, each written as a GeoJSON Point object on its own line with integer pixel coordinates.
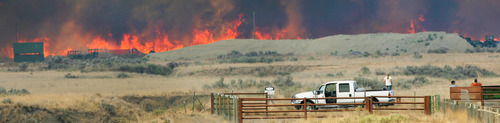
{"type": "Point", "coordinates": [309, 107]}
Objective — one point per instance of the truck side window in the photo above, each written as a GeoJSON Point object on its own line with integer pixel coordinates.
{"type": "Point", "coordinates": [344, 87]}
{"type": "Point", "coordinates": [330, 88]}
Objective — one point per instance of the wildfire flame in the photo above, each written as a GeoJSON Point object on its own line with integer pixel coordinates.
{"type": "Point", "coordinates": [421, 18]}
{"type": "Point", "coordinates": [160, 43]}
{"type": "Point", "coordinates": [416, 26]}
{"type": "Point", "coordinates": [412, 28]}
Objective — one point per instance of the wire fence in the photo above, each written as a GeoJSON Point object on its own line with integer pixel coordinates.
{"type": "Point", "coordinates": [484, 114]}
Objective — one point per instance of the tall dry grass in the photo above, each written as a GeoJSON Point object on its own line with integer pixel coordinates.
{"type": "Point", "coordinates": [393, 117]}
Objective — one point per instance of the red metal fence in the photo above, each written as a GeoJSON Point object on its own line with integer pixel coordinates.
{"type": "Point", "coordinates": [281, 108]}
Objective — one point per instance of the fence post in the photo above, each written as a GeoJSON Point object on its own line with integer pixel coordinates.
{"type": "Point", "coordinates": [438, 102]}
{"type": "Point", "coordinates": [431, 103]}
{"type": "Point", "coordinates": [267, 97]}
{"type": "Point", "coordinates": [371, 105]}
{"type": "Point", "coordinates": [225, 106]}
{"type": "Point", "coordinates": [427, 105]}
{"type": "Point", "coordinates": [305, 108]}
{"type": "Point", "coordinates": [229, 107]}
{"type": "Point", "coordinates": [212, 103]}
{"type": "Point", "coordinates": [367, 103]}
{"type": "Point", "coordinates": [219, 104]}
{"type": "Point", "coordinates": [235, 108]}
{"type": "Point", "coordinates": [240, 111]}
{"type": "Point", "coordinates": [194, 97]}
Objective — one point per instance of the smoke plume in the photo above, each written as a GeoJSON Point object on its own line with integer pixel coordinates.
{"type": "Point", "coordinates": [163, 25]}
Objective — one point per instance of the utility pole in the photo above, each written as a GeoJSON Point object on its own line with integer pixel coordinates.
{"type": "Point", "coordinates": [16, 32]}
{"type": "Point", "coordinates": [254, 25]}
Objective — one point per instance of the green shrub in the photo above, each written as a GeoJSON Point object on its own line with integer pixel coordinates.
{"type": "Point", "coordinates": [369, 83]}
{"type": "Point", "coordinates": [123, 75]}
{"type": "Point", "coordinates": [12, 91]}
{"type": "Point", "coordinates": [333, 53]}
{"type": "Point", "coordinates": [219, 84]}
{"type": "Point", "coordinates": [293, 59]}
{"type": "Point", "coordinates": [251, 57]}
{"type": "Point", "coordinates": [148, 69]}
{"type": "Point", "coordinates": [417, 55]}
{"type": "Point", "coordinates": [159, 110]}
{"type": "Point", "coordinates": [264, 83]}
{"type": "Point", "coordinates": [467, 71]}
{"type": "Point", "coordinates": [415, 82]}
{"type": "Point", "coordinates": [378, 52]}
{"type": "Point", "coordinates": [7, 101]}
{"type": "Point", "coordinates": [70, 76]}
{"type": "Point", "coordinates": [469, 51]}
{"type": "Point", "coordinates": [330, 75]}
{"type": "Point", "coordinates": [365, 70]}
{"type": "Point", "coordinates": [365, 54]}
{"type": "Point", "coordinates": [379, 73]}
{"type": "Point", "coordinates": [108, 108]}
{"type": "Point", "coordinates": [2, 90]}
{"type": "Point", "coordinates": [284, 81]}
{"type": "Point", "coordinates": [17, 92]}
{"type": "Point", "coordinates": [57, 62]}
{"type": "Point", "coordinates": [23, 66]}
{"type": "Point", "coordinates": [438, 51]}
{"type": "Point", "coordinates": [339, 74]}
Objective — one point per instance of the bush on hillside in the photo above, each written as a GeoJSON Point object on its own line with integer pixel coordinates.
{"type": "Point", "coordinates": [369, 83]}
{"type": "Point", "coordinates": [467, 71]}
{"type": "Point", "coordinates": [148, 69]}
{"type": "Point", "coordinates": [438, 51]}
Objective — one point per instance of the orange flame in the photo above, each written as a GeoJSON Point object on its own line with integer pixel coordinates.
{"type": "Point", "coordinates": [154, 39]}
{"type": "Point", "coordinates": [421, 18]}
{"type": "Point", "coordinates": [412, 28]}
{"type": "Point", "coordinates": [276, 34]}
{"type": "Point", "coordinates": [9, 51]}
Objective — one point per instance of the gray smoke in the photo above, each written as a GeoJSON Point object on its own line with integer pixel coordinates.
{"type": "Point", "coordinates": [68, 22]}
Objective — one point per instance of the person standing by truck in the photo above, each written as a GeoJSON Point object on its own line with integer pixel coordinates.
{"type": "Point", "coordinates": [388, 82]}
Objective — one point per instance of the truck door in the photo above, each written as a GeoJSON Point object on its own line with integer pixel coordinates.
{"type": "Point", "coordinates": [331, 91]}
{"type": "Point", "coordinates": [321, 94]}
{"type": "Point", "coordinates": [345, 91]}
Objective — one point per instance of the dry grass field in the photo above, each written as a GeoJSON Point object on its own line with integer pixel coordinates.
{"type": "Point", "coordinates": [51, 90]}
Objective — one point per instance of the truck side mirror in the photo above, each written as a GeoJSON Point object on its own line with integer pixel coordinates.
{"type": "Point", "coordinates": [315, 92]}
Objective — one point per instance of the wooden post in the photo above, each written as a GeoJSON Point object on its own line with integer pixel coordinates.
{"type": "Point", "coordinates": [212, 103]}
{"type": "Point", "coordinates": [194, 96]}
{"type": "Point", "coordinates": [240, 111]}
{"type": "Point", "coordinates": [482, 98]}
{"type": "Point", "coordinates": [371, 105]}
{"type": "Point", "coordinates": [367, 103]}
{"type": "Point", "coordinates": [305, 108]}
{"type": "Point", "coordinates": [267, 97]}
{"type": "Point", "coordinates": [427, 109]}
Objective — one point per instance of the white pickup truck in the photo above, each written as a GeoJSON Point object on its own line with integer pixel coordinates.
{"type": "Point", "coordinates": [340, 89]}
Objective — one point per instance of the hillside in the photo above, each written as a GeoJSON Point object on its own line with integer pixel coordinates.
{"type": "Point", "coordinates": [343, 44]}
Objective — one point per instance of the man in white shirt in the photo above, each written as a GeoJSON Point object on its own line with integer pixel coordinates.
{"type": "Point", "coordinates": [453, 84]}
{"type": "Point", "coordinates": [388, 82]}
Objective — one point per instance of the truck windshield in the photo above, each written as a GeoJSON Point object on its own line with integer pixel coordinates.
{"type": "Point", "coordinates": [321, 89]}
